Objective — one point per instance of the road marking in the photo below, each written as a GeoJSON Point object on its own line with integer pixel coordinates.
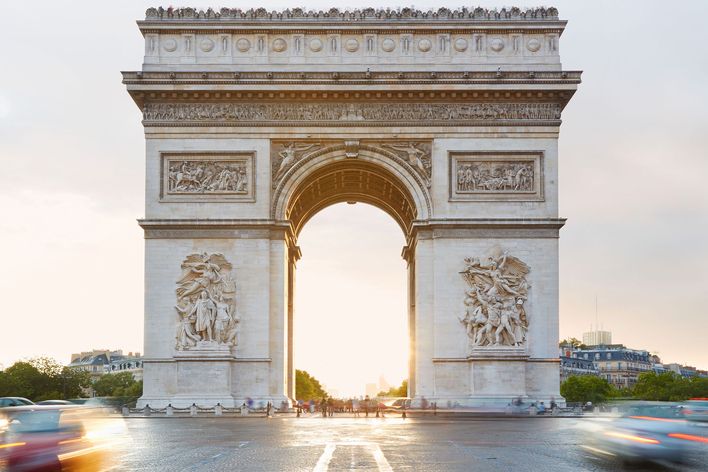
{"type": "Point", "coordinates": [323, 463]}
{"type": "Point", "coordinates": [326, 457]}
{"type": "Point", "coordinates": [381, 461]}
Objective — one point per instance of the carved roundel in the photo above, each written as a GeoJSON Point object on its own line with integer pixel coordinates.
{"type": "Point", "coordinates": [170, 45]}
{"type": "Point", "coordinates": [206, 45]}
{"type": "Point", "coordinates": [460, 44]}
{"type": "Point", "coordinates": [316, 45]}
{"type": "Point", "coordinates": [497, 44]}
{"type": "Point", "coordinates": [533, 45]}
{"type": "Point", "coordinates": [388, 45]}
{"type": "Point", "coordinates": [243, 45]}
{"type": "Point", "coordinates": [351, 45]}
{"type": "Point", "coordinates": [279, 45]}
{"type": "Point", "coordinates": [425, 45]}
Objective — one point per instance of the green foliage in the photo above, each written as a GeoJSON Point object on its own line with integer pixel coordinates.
{"type": "Point", "coordinates": [586, 388]}
{"type": "Point", "coordinates": [572, 342]}
{"type": "Point", "coordinates": [307, 387]}
{"type": "Point", "coordinates": [42, 378]}
{"type": "Point", "coordinates": [669, 386]}
{"type": "Point", "coordinates": [118, 385]}
{"type": "Point", "coordinates": [401, 391]}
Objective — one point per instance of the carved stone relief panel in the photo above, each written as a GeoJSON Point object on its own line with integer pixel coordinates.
{"type": "Point", "coordinates": [284, 155]}
{"type": "Point", "coordinates": [206, 304]}
{"type": "Point", "coordinates": [495, 315]}
{"type": "Point", "coordinates": [493, 175]}
{"type": "Point", "coordinates": [414, 155]}
{"type": "Point", "coordinates": [208, 176]}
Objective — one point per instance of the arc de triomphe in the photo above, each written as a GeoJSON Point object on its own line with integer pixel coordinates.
{"type": "Point", "coordinates": [255, 120]}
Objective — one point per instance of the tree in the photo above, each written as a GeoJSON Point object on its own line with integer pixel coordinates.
{"type": "Point", "coordinates": [307, 387]}
{"type": "Point", "coordinates": [572, 342]}
{"type": "Point", "coordinates": [586, 388]}
{"type": "Point", "coordinates": [669, 386]}
{"type": "Point", "coordinates": [121, 384]}
{"type": "Point", "coordinates": [401, 391]}
{"type": "Point", "coordinates": [42, 378]}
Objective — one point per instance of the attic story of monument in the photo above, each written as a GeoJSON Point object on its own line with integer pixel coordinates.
{"type": "Point", "coordinates": [448, 120]}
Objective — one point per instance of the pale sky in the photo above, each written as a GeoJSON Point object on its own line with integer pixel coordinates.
{"type": "Point", "coordinates": [633, 166]}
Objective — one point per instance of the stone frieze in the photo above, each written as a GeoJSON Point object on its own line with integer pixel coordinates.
{"type": "Point", "coordinates": [285, 114]}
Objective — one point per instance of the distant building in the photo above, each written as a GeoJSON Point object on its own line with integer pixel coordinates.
{"type": "Point", "coordinates": [597, 338]}
{"type": "Point", "coordinates": [618, 364]}
{"type": "Point", "coordinates": [571, 364]}
{"type": "Point", "coordinates": [102, 361]}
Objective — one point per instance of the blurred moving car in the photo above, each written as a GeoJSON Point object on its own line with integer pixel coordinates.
{"type": "Point", "coordinates": [651, 431]}
{"type": "Point", "coordinates": [54, 402]}
{"type": "Point", "coordinates": [14, 401]}
{"type": "Point", "coordinates": [398, 403]}
{"type": "Point", "coordinates": [50, 437]}
{"type": "Point", "coordinates": [696, 409]}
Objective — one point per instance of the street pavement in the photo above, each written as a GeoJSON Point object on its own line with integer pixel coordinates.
{"type": "Point", "coordinates": [319, 444]}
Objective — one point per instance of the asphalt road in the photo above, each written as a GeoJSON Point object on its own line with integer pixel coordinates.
{"type": "Point", "coordinates": [363, 444]}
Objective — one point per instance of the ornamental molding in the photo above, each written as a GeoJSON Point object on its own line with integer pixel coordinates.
{"type": "Point", "coordinates": [415, 156]}
{"type": "Point", "coordinates": [349, 114]}
{"type": "Point", "coordinates": [288, 156]}
{"type": "Point", "coordinates": [346, 77]}
{"type": "Point", "coordinates": [334, 14]}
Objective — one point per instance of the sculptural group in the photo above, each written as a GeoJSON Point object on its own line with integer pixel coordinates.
{"type": "Point", "coordinates": [206, 304]}
{"type": "Point", "coordinates": [495, 314]}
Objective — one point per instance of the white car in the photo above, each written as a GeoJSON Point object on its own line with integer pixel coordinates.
{"type": "Point", "coordinates": [14, 401]}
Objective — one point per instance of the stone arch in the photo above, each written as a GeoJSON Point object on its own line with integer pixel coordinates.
{"type": "Point", "coordinates": [328, 176]}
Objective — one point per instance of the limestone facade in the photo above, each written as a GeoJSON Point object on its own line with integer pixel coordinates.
{"type": "Point", "coordinates": [256, 120]}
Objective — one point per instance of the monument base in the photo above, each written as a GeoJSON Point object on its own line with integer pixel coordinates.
{"type": "Point", "coordinates": [493, 378]}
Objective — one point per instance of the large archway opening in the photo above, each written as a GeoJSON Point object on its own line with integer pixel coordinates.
{"type": "Point", "coordinates": [355, 292]}
{"type": "Point", "coordinates": [350, 310]}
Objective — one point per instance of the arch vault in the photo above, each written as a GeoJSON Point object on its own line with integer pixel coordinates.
{"type": "Point", "coordinates": [255, 121]}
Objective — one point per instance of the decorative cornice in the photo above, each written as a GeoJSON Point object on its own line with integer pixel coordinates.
{"type": "Point", "coordinates": [334, 14]}
{"type": "Point", "coordinates": [513, 228]}
{"type": "Point", "coordinates": [346, 78]}
{"type": "Point", "coordinates": [215, 229]}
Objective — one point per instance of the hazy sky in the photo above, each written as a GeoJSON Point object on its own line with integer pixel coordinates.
{"type": "Point", "coordinates": [633, 166]}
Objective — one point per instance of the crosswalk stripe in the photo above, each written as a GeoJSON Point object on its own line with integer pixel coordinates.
{"type": "Point", "coordinates": [323, 463]}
